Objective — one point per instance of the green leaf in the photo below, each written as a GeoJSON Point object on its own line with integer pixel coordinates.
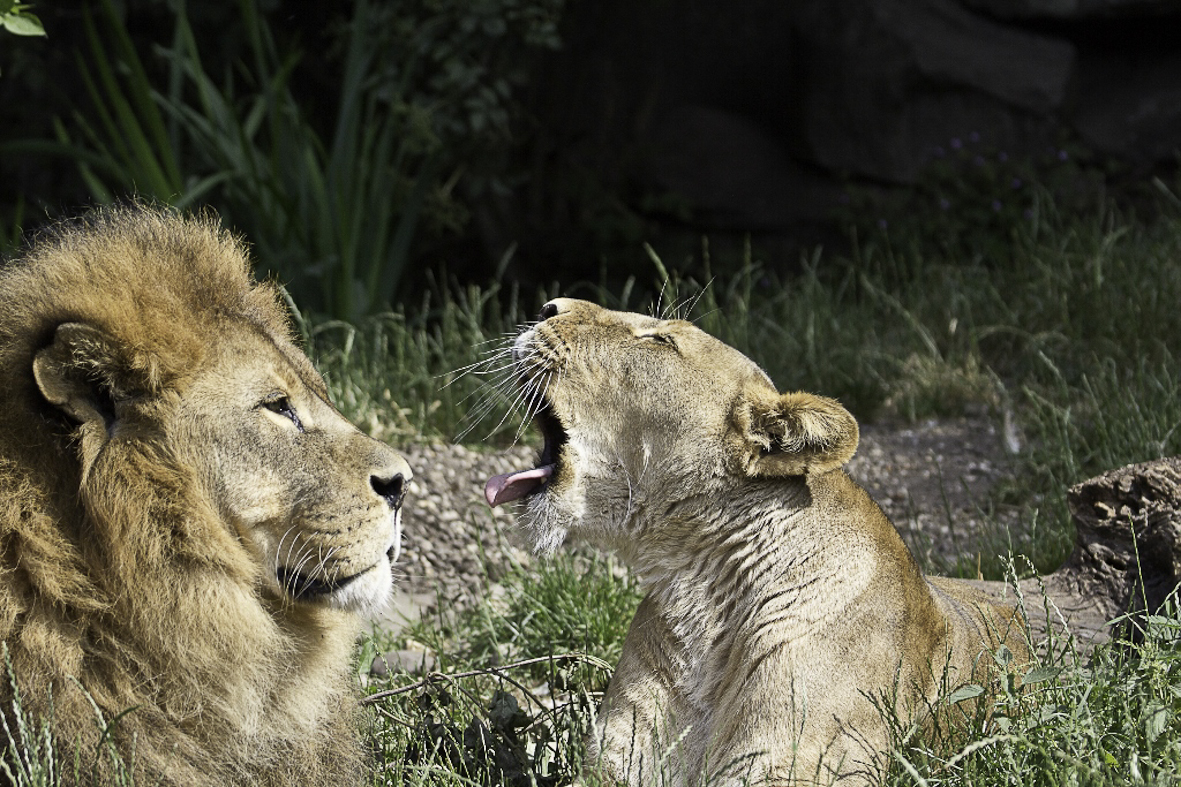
{"type": "Point", "coordinates": [22, 23]}
{"type": "Point", "coordinates": [1155, 721]}
{"type": "Point", "coordinates": [968, 691]}
{"type": "Point", "coordinates": [1040, 675]}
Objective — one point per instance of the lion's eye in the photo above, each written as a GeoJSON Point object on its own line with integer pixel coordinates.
{"type": "Point", "coordinates": [281, 405]}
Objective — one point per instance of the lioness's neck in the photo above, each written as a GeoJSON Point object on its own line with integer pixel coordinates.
{"type": "Point", "coordinates": [769, 552]}
{"type": "Point", "coordinates": [702, 561]}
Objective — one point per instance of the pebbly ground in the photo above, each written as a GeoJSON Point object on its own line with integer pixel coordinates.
{"type": "Point", "coordinates": [931, 478]}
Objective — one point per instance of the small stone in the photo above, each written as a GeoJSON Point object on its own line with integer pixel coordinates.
{"type": "Point", "coordinates": [413, 662]}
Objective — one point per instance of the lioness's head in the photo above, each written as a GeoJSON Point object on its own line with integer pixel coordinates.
{"type": "Point", "coordinates": [193, 429]}
{"type": "Point", "coordinates": [640, 413]}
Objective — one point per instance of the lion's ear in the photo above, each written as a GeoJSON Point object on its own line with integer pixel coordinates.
{"type": "Point", "coordinates": [792, 434]}
{"type": "Point", "coordinates": [76, 373]}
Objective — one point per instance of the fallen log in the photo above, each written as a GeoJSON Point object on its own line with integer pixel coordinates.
{"type": "Point", "coordinates": [1126, 558]}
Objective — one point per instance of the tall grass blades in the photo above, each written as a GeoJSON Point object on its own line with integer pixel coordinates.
{"type": "Point", "coordinates": [32, 757]}
{"type": "Point", "coordinates": [333, 217]}
{"type": "Point", "coordinates": [1114, 721]}
{"type": "Point", "coordinates": [124, 144]}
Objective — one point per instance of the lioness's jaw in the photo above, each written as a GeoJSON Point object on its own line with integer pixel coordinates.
{"type": "Point", "coordinates": [790, 434]}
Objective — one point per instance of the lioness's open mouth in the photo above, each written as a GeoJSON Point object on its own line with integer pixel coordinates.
{"type": "Point", "coordinates": [513, 486]}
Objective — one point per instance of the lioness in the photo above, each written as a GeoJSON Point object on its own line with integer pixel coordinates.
{"type": "Point", "coordinates": [780, 599]}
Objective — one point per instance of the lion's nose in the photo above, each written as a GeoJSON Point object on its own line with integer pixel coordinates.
{"type": "Point", "coordinates": [392, 489]}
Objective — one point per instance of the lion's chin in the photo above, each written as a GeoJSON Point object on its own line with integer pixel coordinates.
{"type": "Point", "coordinates": [366, 592]}
{"type": "Point", "coordinates": [366, 595]}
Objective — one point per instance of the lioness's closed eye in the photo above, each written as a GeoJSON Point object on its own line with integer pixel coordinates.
{"type": "Point", "coordinates": [780, 600]}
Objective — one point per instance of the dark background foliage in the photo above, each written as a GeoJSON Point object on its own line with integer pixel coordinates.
{"type": "Point", "coordinates": [549, 139]}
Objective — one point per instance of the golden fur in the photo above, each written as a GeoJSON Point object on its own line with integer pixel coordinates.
{"type": "Point", "coordinates": [780, 599]}
{"type": "Point", "coordinates": [187, 527]}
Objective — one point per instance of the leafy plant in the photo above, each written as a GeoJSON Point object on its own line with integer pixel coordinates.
{"type": "Point", "coordinates": [472, 58]}
{"type": "Point", "coordinates": [334, 214]}
{"type": "Point", "coordinates": [128, 147]}
{"type": "Point", "coordinates": [334, 217]}
{"type": "Point", "coordinates": [17, 19]}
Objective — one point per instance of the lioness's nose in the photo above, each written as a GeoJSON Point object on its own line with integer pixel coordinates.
{"type": "Point", "coordinates": [555, 307]}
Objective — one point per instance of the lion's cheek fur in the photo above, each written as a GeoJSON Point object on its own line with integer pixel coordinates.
{"type": "Point", "coordinates": [191, 596]}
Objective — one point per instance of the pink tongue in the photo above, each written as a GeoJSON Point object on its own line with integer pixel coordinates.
{"type": "Point", "coordinates": [510, 486]}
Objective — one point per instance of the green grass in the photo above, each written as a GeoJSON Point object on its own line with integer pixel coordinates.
{"type": "Point", "coordinates": [519, 676]}
{"type": "Point", "coordinates": [1070, 336]}
{"type": "Point", "coordinates": [1071, 333]}
{"type": "Point", "coordinates": [1114, 721]}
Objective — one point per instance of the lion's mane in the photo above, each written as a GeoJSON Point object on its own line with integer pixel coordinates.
{"type": "Point", "coordinates": [124, 598]}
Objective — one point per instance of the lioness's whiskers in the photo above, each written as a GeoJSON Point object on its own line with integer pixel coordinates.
{"type": "Point", "coordinates": [690, 304]}
{"type": "Point", "coordinates": [484, 365]}
{"type": "Point", "coordinates": [489, 404]}
{"type": "Point", "coordinates": [534, 403]}
{"type": "Point", "coordinates": [498, 365]}
{"type": "Point", "coordinates": [530, 410]}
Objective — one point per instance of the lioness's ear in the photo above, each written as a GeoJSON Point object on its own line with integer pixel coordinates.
{"type": "Point", "coordinates": [792, 433]}
{"type": "Point", "coordinates": [76, 373]}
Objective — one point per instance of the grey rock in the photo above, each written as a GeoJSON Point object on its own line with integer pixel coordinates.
{"type": "Point", "coordinates": [1131, 107]}
{"type": "Point", "coordinates": [1070, 9]}
{"type": "Point", "coordinates": [733, 173]}
{"type": "Point", "coordinates": [890, 81]}
{"type": "Point", "coordinates": [413, 662]}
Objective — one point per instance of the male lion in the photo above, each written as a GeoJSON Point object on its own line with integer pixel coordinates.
{"type": "Point", "coordinates": [781, 603]}
{"type": "Point", "coordinates": [188, 528]}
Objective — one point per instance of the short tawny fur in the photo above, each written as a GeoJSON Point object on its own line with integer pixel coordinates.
{"type": "Point", "coordinates": [780, 600]}
{"type": "Point", "coordinates": [165, 452]}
